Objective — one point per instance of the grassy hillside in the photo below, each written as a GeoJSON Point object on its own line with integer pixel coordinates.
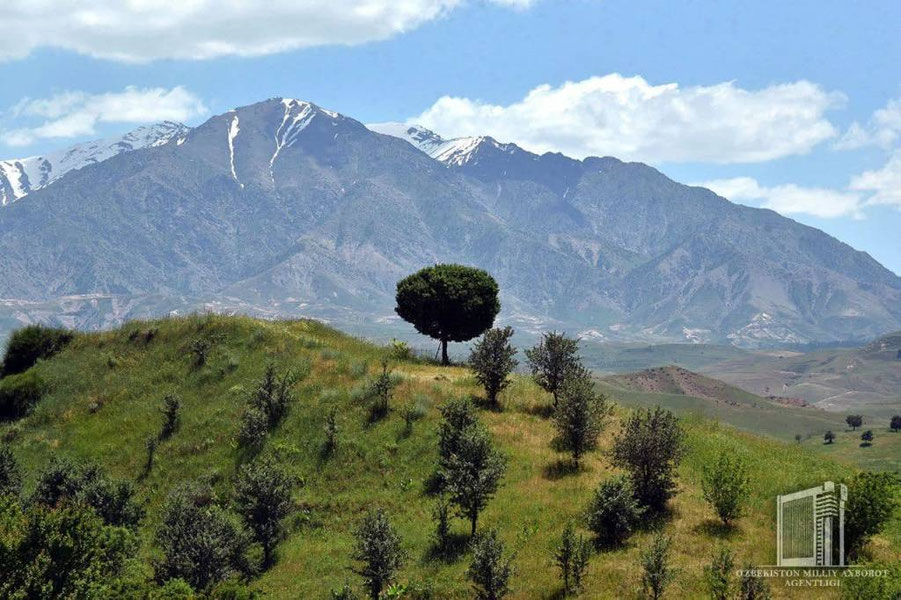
{"type": "Point", "coordinates": [107, 388]}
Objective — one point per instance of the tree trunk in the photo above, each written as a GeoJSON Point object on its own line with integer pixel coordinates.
{"type": "Point", "coordinates": [444, 360]}
{"type": "Point", "coordinates": [473, 519]}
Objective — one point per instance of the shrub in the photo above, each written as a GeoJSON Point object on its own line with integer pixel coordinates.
{"type": "Point", "coordinates": [254, 429]}
{"type": "Point", "coordinates": [650, 446]}
{"type": "Point", "coordinates": [752, 587]}
{"type": "Point", "coordinates": [200, 348]}
{"type": "Point", "coordinates": [579, 416]}
{"type": "Point", "coordinates": [572, 559]}
{"type": "Point", "coordinates": [10, 473]}
{"type": "Point", "coordinates": [726, 486]}
{"type": "Point", "coordinates": [829, 437]}
{"type": "Point", "coordinates": [872, 500]}
{"type": "Point", "coordinates": [201, 544]}
{"type": "Point", "coordinates": [170, 410]}
{"type": "Point", "coordinates": [28, 345]}
{"type": "Point", "coordinates": [492, 361]}
{"type": "Point", "coordinates": [718, 574]}
{"type": "Point", "coordinates": [657, 573]}
{"type": "Point", "coordinates": [273, 395]}
{"type": "Point", "coordinates": [263, 499]}
{"type": "Point", "coordinates": [346, 592]}
{"type": "Point", "coordinates": [867, 438]}
{"type": "Point", "coordinates": [380, 394]}
{"type": "Point", "coordinates": [552, 360]}
{"type": "Point", "coordinates": [378, 549]}
{"type": "Point", "coordinates": [411, 413]}
{"type": "Point", "coordinates": [490, 571]}
{"type": "Point", "coordinates": [331, 431]}
{"type": "Point", "coordinates": [895, 423]}
{"type": "Point", "coordinates": [400, 350]}
{"type": "Point", "coordinates": [441, 517]}
{"type": "Point", "coordinates": [613, 512]}
{"type": "Point", "coordinates": [19, 394]}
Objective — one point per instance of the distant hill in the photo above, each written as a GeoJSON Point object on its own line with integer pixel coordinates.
{"type": "Point", "coordinates": [676, 380]}
{"type": "Point", "coordinates": [284, 208]}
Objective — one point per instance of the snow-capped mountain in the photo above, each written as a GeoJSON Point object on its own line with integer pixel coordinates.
{"type": "Point", "coordinates": [452, 152]}
{"type": "Point", "coordinates": [21, 176]}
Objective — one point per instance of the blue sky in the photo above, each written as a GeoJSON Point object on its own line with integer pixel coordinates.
{"type": "Point", "coordinates": [790, 105]}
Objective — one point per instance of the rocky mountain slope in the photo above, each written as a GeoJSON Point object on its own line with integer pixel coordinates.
{"type": "Point", "coordinates": [285, 208]}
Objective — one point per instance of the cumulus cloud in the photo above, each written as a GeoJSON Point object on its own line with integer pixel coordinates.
{"type": "Point", "coordinates": [883, 129]}
{"type": "Point", "coordinates": [144, 30]}
{"type": "Point", "coordinates": [883, 185]}
{"type": "Point", "coordinates": [629, 118]}
{"type": "Point", "coordinates": [74, 113]}
{"type": "Point", "coordinates": [789, 198]}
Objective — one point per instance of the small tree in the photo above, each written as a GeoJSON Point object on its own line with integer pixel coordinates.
{"type": "Point", "coordinates": [552, 360]}
{"type": "Point", "coordinates": [441, 517]}
{"type": "Point", "coordinates": [490, 571]}
{"type": "Point", "coordinates": [459, 415]}
{"type": "Point", "coordinates": [254, 429]}
{"type": "Point", "coordinates": [727, 487]}
{"type": "Point", "coordinates": [572, 558]}
{"type": "Point", "coordinates": [199, 540]}
{"type": "Point", "coordinates": [274, 395]}
{"type": "Point", "coordinates": [200, 348]}
{"type": "Point", "coordinates": [798, 438]}
{"type": "Point", "coordinates": [170, 410]}
{"type": "Point", "coordinates": [492, 361]}
{"type": "Point", "coordinates": [613, 512]}
{"type": "Point", "coordinates": [895, 423]}
{"type": "Point", "coordinates": [872, 500]}
{"type": "Point", "coordinates": [752, 587]}
{"type": "Point", "coordinates": [379, 550]}
{"type": "Point", "coordinates": [150, 444]}
{"type": "Point", "coordinates": [718, 574]}
{"type": "Point", "coordinates": [854, 421]}
{"type": "Point", "coordinates": [10, 473]}
{"type": "Point", "coordinates": [380, 394]}
{"type": "Point", "coordinates": [450, 303]}
{"type": "Point", "coordinates": [331, 431]}
{"type": "Point", "coordinates": [657, 573]}
{"type": "Point", "coordinates": [829, 437]}
{"type": "Point", "coordinates": [579, 417]}
{"type": "Point", "coordinates": [473, 474]}
{"type": "Point", "coordinates": [650, 446]}
{"type": "Point", "coordinates": [867, 437]}
{"type": "Point", "coordinates": [263, 499]}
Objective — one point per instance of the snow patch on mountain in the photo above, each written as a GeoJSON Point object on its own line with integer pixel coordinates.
{"type": "Point", "coordinates": [19, 177]}
{"type": "Point", "coordinates": [452, 152]}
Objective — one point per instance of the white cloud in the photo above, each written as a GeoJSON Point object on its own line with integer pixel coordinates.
{"type": "Point", "coordinates": [789, 198]}
{"type": "Point", "coordinates": [143, 30]}
{"type": "Point", "coordinates": [883, 184]}
{"type": "Point", "coordinates": [631, 119]}
{"type": "Point", "coordinates": [882, 130]}
{"type": "Point", "coordinates": [73, 114]}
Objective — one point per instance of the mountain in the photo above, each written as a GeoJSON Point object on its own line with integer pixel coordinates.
{"type": "Point", "coordinates": [285, 208]}
{"type": "Point", "coordinates": [21, 176]}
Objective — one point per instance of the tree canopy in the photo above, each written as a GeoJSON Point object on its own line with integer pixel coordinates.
{"type": "Point", "coordinates": [449, 302]}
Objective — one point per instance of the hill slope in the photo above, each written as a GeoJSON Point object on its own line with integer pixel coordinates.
{"type": "Point", "coordinates": [106, 389]}
{"type": "Point", "coordinates": [286, 208]}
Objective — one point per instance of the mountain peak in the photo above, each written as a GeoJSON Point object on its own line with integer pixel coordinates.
{"type": "Point", "coordinates": [452, 152]}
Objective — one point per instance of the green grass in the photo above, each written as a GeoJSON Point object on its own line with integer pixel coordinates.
{"type": "Point", "coordinates": [107, 389]}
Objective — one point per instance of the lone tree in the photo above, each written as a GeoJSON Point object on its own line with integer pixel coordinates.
{"type": "Point", "coordinates": [263, 499]}
{"type": "Point", "coordinates": [490, 570]}
{"type": "Point", "coordinates": [580, 414]}
{"type": "Point", "coordinates": [552, 360]}
{"type": "Point", "coordinates": [650, 446]}
{"type": "Point", "coordinates": [867, 437]}
{"type": "Point", "coordinates": [727, 487]}
{"type": "Point", "coordinates": [450, 303]}
{"type": "Point", "coordinates": [492, 361]}
{"type": "Point", "coordinates": [378, 548]}
{"type": "Point", "coordinates": [895, 424]}
{"type": "Point", "coordinates": [572, 557]}
{"type": "Point", "coordinates": [854, 421]}
{"type": "Point", "coordinates": [829, 437]}
{"type": "Point", "coordinates": [472, 474]}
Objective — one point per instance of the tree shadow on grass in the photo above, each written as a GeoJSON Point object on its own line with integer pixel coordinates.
{"type": "Point", "coordinates": [560, 468]}
{"type": "Point", "coordinates": [652, 520]}
{"type": "Point", "coordinates": [716, 529]}
{"type": "Point", "coordinates": [457, 546]}
{"type": "Point", "coordinates": [544, 411]}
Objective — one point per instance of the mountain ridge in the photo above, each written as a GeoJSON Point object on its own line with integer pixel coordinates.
{"type": "Point", "coordinates": [285, 208]}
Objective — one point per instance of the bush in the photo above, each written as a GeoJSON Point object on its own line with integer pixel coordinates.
{"type": "Point", "coordinates": [614, 512]}
{"type": "Point", "coordinates": [254, 429]}
{"type": "Point", "coordinates": [656, 571]}
{"type": "Point", "coordinates": [727, 487]}
{"type": "Point", "coordinates": [378, 548]}
{"type": "Point", "coordinates": [491, 359]}
{"type": "Point", "coordinates": [331, 431]}
{"type": "Point", "coordinates": [579, 416]}
{"type": "Point", "coordinates": [10, 473]}
{"type": "Point", "coordinates": [442, 535]}
{"type": "Point", "coordinates": [752, 587]}
{"type": "Point", "coordinates": [650, 446]}
{"type": "Point", "coordinates": [263, 499]}
{"type": "Point", "coordinates": [28, 345]}
{"type": "Point", "coordinates": [201, 543]}
{"type": "Point", "coordinates": [872, 500]}
{"type": "Point", "coordinates": [572, 558]}
{"type": "Point", "coordinates": [400, 350]}
{"type": "Point", "coordinates": [380, 394]}
{"type": "Point", "coordinates": [170, 410]}
{"type": "Point", "coordinates": [718, 574]}
{"type": "Point", "coordinates": [274, 395]}
{"type": "Point", "coordinates": [490, 571]}
{"type": "Point", "coordinates": [829, 437]}
{"type": "Point", "coordinates": [19, 394]}
{"type": "Point", "coordinates": [867, 438]}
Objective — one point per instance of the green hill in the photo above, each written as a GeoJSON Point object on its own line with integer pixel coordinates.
{"type": "Point", "coordinates": [106, 390]}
